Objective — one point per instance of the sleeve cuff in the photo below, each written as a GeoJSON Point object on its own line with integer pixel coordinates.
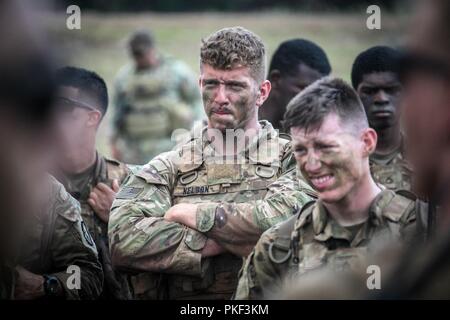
{"type": "Point", "coordinates": [205, 217]}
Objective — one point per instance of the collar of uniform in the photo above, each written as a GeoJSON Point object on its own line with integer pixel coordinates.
{"type": "Point", "coordinates": [375, 218]}
{"type": "Point", "coordinates": [263, 148]}
{"type": "Point", "coordinates": [99, 174]}
{"type": "Point", "coordinates": [201, 147]}
{"type": "Point", "coordinates": [326, 227]}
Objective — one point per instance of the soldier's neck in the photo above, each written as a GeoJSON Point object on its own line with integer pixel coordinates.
{"type": "Point", "coordinates": [354, 207]}
{"type": "Point", "coordinates": [86, 159]}
{"type": "Point", "coordinates": [389, 140]}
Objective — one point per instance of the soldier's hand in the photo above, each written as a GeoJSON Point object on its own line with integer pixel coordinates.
{"type": "Point", "coordinates": [28, 285]}
{"type": "Point", "coordinates": [101, 199]}
{"type": "Point", "coordinates": [184, 213]}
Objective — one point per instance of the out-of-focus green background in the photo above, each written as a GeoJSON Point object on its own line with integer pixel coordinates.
{"type": "Point", "coordinates": [100, 45]}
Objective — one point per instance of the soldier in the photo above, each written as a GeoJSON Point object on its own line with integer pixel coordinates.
{"type": "Point", "coordinates": [295, 65]}
{"type": "Point", "coordinates": [189, 215]}
{"type": "Point", "coordinates": [58, 257]}
{"type": "Point", "coordinates": [332, 144]}
{"type": "Point", "coordinates": [424, 272]}
{"type": "Point", "coordinates": [92, 179]}
{"type": "Point", "coordinates": [26, 114]}
{"type": "Point", "coordinates": [375, 78]}
{"type": "Point", "coordinates": [153, 97]}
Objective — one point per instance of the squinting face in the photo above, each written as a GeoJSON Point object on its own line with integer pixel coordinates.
{"type": "Point", "coordinates": [230, 97]}
{"type": "Point", "coordinates": [380, 93]}
{"type": "Point", "coordinates": [330, 158]}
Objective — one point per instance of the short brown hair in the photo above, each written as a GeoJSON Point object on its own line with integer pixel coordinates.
{"type": "Point", "coordinates": [329, 95]}
{"type": "Point", "coordinates": [236, 46]}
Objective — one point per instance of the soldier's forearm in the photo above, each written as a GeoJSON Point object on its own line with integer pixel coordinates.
{"type": "Point", "coordinates": [152, 244]}
{"type": "Point", "coordinates": [238, 226]}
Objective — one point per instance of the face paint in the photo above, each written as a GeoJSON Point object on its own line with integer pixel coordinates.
{"type": "Point", "coordinates": [229, 97]}
{"type": "Point", "coordinates": [330, 159]}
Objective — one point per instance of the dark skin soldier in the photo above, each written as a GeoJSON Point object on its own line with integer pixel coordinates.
{"type": "Point", "coordinates": [295, 65]}
{"type": "Point", "coordinates": [375, 78]}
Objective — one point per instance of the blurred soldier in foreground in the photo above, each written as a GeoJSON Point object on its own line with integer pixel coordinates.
{"type": "Point", "coordinates": [425, 272]}
{"type": "Point", "coordinates": [25, 117]}
{"type": "Point", "coordinates": [26, 134]}
{"type": "Point", "coordinates": [92, 179]}
{"type": "Point", "coordinates": [375, 78]}
{"type": "Point", "coordinates": [295, 65]}
{"type": "Point", "coordinates": [58, 257]}
{"type": "Point", "coordinates": [189, 215]}
{"type": "Point", "coordinates": [332, 143]}
{"type": "Point", "coordinates": [153, 97]}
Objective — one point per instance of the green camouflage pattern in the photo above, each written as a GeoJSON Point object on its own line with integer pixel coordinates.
{"type": "Point", "coordinates": [105, 170]}
{"type": "Point", "coordinates": [149, 105]}
{"type": "Point", "coordinates": [312, 240]}
{"type": "Point", "coordinates": [57, 238]}
{"type": "Point", "coordinates": [392, 171]}
{"type": "Point", "coordinates": [237, 202]}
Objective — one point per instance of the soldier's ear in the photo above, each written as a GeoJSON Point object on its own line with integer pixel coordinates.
{"type": "Point", "coordinates": [369, 138]}
{"type": "Point", "coordinates": [94, 118]}
{"type": "Point", "coordinates": [264, 91]}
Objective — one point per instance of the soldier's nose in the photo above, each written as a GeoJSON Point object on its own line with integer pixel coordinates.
{"type": "Point", "coordinates": [221, 96]}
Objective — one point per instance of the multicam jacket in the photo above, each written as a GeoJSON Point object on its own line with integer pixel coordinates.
{"type": "Point", "coordinates": [104, 170]}
{"type": "Point", "coordinates": [392, 171]}
{"type": "Point", "coordinates": [56, 239]}
{"type": "Point", "coordinates": [311, 239]}
{"type": "Point", "coordinates": [237, 202]}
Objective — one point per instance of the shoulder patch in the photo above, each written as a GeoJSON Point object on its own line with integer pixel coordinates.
{"type": "Point", "coordinates": [150, 174]}
{"type": "Point", "coordinates": [129, 192]}
{"type": "Point", "coordinates": [86, 237]}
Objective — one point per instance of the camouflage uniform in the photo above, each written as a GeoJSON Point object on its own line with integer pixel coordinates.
{"type": "Point", "coordinates": [392, 170]}
{"type": "Point", "coordinates": [57, 238]}
{"type": "Point", "coordinates": [237, 202]}
{"type": "Point", "coordinates": [312, 239]}
{"type": "Point", "coordinates": [105, 171]}
{"type": "Point", "coordinates": [150, 105]}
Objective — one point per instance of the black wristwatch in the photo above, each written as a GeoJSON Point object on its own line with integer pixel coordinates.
{"type": "Point", "coordinates": [51, 286]}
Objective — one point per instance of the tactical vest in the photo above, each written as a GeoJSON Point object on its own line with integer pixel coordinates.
{"type": "Point", "coordinates": [295, 251]}
{"type": "Point", "coordinates": [200, 181]}
{"type": "Point", "coordinates": [148, 96]}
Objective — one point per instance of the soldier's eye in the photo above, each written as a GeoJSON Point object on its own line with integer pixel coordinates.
{"type": "Point", "coordinates": [299, 151]}
{"type": "Point", "coordinates": [235, 86]}
{"type": "Point", "coordinates": [210, 84]}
